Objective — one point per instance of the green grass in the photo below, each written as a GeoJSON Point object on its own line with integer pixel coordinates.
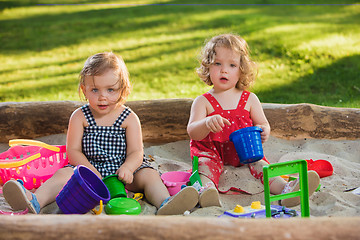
{"type": "Point", "coordinates": [305, 53]}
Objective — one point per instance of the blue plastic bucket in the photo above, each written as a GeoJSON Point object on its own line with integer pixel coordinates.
{"type": "Point", "coordinates": [82, 192]}
{"type": "Point", "coordinates": [248, 144]}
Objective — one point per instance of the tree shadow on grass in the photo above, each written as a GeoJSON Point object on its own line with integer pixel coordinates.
{"type": "Point", "coordinates": [47, 31]}
{"type": "Point", "coordinates": [337, 84]}
{"type": "Point", "coordinates": [27, 3]}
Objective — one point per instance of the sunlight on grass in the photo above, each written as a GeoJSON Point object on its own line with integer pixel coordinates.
{"type": "Point", "coordinates": [339, 44]}
{"type": "Point", "coordinates": [71, 6]}
{"type": "Point", "coordinates": [303, 52]}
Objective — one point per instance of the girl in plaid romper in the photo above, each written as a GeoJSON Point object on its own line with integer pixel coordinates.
{"type": "Point", "coordinates": [105, 146]}
{"type": "Point", "coordinates": [105, 136]}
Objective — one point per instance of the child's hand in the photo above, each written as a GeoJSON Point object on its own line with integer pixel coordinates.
{"type": "Point", "coordinates": [216, 123]}
{"type": "Point", "coordinates": [265, 133]}
{"type": "Point", "coordinates": [125, 175]}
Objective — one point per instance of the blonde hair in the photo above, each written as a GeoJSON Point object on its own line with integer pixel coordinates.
{"type": "Point", "coordinates": [235, 43]}
{"type": "Point", "coordinates": [100, 63]}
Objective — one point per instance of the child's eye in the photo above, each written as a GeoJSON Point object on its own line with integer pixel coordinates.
{"type": "Point", "coordinates": [94, 90]}
{"type": "Point", "coordinates": [110, 90]}
{"type": "Point", "coordinates": [217, 63]}
{"type": "Point", "coordinates": [233, 65]}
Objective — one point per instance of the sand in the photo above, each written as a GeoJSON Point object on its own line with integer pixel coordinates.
{"type": "Point", "coordinates": [333, 198]}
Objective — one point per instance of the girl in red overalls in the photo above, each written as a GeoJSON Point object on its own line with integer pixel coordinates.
{"type": "Point", "coordinates": [227, 107]}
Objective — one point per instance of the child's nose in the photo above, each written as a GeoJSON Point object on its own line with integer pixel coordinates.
{"type": "Point", "coordinates": [102, 95]}
{"type": "Point", "coordinates": [223, 70]}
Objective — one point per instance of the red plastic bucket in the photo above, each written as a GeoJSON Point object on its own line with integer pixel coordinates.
{"type": "Point", "coordinates": [82, 192]}
{"type": "Point", "coordinates": [248, 144]}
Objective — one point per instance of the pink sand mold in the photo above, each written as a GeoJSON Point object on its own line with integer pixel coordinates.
{"type": "Point", "coordinates": [174, 180]}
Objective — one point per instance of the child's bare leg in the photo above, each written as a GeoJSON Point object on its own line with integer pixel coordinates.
{"type": "Point", "coordinates": [277, 184]}
{"type": "Point", "coordinates": [149, 181]}
{"type": "Point", "coordinates": [205, 180]}
{"type": "Point", "coordinates": [48, 191]}
{"type": "Point", "coordinates": [20, 198]}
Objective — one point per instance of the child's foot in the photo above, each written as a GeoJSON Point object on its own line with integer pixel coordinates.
{"type": "Point", "coordinates": [15, 194]}
{"type": "Point", "coordinates": [185, 199]}
{"type": "Point", "coordinates": [292, 186]}
{"type": "Point", "coordinates": [209, 196]}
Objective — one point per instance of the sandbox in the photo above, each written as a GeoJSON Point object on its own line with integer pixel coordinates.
{"type": "Point", "coordinates": [299, 130]}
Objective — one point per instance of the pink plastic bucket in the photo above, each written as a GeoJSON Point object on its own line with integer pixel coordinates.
{"type": "Point", "coordinates": [174, 180]}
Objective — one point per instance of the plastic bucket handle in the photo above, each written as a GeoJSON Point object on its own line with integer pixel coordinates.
{"type": "Point", "coordinates": [29, 142]}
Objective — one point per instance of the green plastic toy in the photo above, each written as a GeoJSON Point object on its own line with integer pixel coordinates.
{"type": "Point", "coordinates": [194, 179]}
{"type": "Point", "coordinates": [291, 167]}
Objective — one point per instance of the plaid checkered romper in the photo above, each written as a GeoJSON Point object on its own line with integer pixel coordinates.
{"type": "Point", "coordinates": [105, 146]}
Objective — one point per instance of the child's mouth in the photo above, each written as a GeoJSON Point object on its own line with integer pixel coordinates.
{"type": "Point", "coordinates": [102, 106]}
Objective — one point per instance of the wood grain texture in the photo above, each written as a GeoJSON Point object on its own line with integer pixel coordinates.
{"type": "Point", "coordinates": [165, 120]}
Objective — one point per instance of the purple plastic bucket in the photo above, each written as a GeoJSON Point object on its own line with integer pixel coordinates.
{"type": "Point", "coordinates": [82, 192]}
{"type": "Point", "coordinates": [248, 144]}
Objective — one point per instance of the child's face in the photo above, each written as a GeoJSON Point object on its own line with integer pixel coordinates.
{"type": "Point", "coordinates": [102, 91]}
{"type": "Point", "coordinates": [225, 71]}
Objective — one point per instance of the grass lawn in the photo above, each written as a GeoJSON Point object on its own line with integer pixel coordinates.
{"type": "Point", "coordinates": [306, 53]}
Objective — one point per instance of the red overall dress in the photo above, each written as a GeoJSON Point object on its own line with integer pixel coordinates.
{"type": "Point", "coordinates": [216, 150]}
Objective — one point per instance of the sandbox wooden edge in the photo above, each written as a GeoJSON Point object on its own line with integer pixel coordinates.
{"type": "Point", "coordinates": [165, 120]}
{"type": "Point", "coordinates": [174, 227]}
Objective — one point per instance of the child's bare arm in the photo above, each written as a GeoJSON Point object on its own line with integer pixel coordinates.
{"type": "Point", "coordinates": [258, 116]}
{"type": "Point", "coordinates": [200, 125]}
{"type": "Point", "coordinates": [74, 141]}
{"type": "Point", "coordinates": [134, 148]}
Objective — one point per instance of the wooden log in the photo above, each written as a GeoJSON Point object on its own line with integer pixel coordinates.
{"type": "Point", "coordinates": [297, 121]}
{"type": "Point", "coordinates": [175, 227]}
{"type": "Point", "coordinates": [34, 119]}
{"type": "Point", "coordinates": [165, 120]}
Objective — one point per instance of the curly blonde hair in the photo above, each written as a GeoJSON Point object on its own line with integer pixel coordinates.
{"type": "Point", "coordinates": [248, 68]}
{"type": "Point", "coordinates": [100, 63]}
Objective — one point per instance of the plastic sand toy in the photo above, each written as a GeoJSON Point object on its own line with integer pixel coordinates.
{"type": "Point", "coordinates": [123, 205]}
{"type": "Point", "coordinates": [283, 168]}
{"type": "Point", "coordinates": [82, 192]}
{"type": "Point", "coordinates": [33, 163]}
{"type": "Point", "coordinates": [174, 180]}
{"type": "Point", "coordinates": [247, 142]}
{"type": "Point", "coordinates": [256, 210]}
{"type": "Point", "coordinates": [115, 186]}
{"type": "Point", "coordinates": [321, 166]}
{"type": "Point", "coordinates": [195, 180]}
